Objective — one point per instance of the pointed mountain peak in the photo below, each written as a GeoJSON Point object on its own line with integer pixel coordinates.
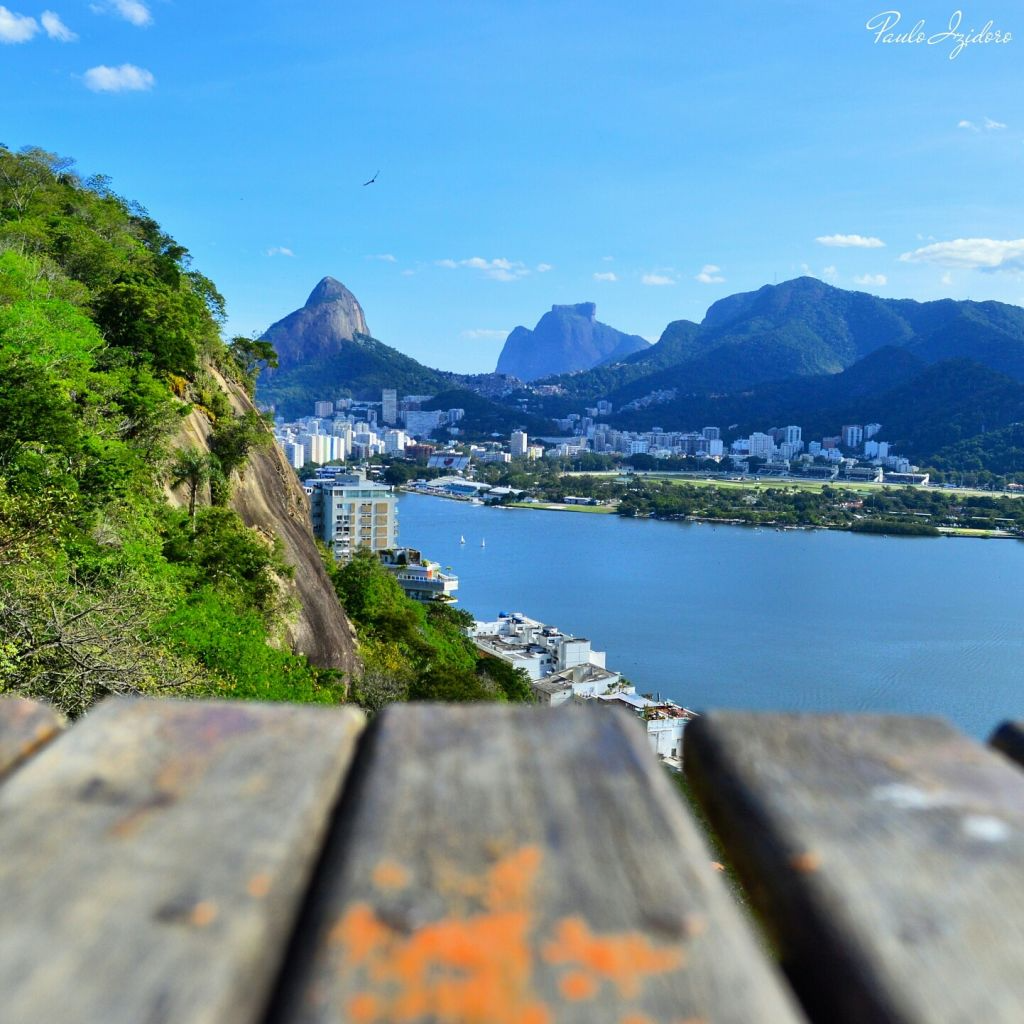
{"type": "Point", "coordinates": [328, 290]}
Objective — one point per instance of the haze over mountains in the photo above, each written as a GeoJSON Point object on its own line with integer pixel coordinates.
{"type": "Point", "coordinates": [936, 373]}
{"type": "Point", "coordinates": [566, 339]}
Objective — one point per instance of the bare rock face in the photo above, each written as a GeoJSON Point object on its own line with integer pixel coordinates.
{"type": "Point", "coordinates": [269, 498]}
{"type": "Point", "coordinates": [331, 316]}
{"type": "Point", "coordinates": [567, 339]}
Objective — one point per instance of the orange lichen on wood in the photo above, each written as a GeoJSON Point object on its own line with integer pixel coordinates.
{"type": "Point", "coordinates": [203, 913]}
{"type": "Point", "coordinates": [389, 875]}
{"type": "Point", "coordinates": [624, 960]}
{"type": "Point", "coordinates": [477, 966]}
{"type": "Point", "coordinates": [806, 863]}
{"type": "Point", "coordinates": [578, 985]}
{"type": "Point", "coordinates": [259, 885]}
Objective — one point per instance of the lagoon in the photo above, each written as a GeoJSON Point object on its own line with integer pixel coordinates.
{"type": "Point", "coordinates": [717, 616]}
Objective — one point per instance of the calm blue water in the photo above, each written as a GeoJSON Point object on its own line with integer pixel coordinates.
{"type": "Point", "coordinates": [726, 617]}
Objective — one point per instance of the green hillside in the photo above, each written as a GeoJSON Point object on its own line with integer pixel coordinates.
{"type": "Point", "coordinates": [360, 368]}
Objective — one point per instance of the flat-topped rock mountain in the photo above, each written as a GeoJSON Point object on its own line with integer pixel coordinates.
{"type": "Point", "coordinates": [565, 340]}
{"type": "Point", "coordinates": [331, 316]}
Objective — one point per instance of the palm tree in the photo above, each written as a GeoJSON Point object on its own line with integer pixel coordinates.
{"type": "Point", "coordinates": [191, 467]}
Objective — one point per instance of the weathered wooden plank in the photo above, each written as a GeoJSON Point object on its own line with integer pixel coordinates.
{"type": "Point", "coordinates": [887, 855]}
{"type": "Point", "coordinates": [153, 859]}
{"type": "Point", "coordinates": [25, 727]}
{"type": "Point", "coordinates": [494, 865]}
{"type": "Point", "coordinates": [1008, 739]}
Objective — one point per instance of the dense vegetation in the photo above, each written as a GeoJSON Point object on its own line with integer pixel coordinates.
{"type": "Point", "coordinates": [360, 368]}
{"type": "Point", "coordinates": [109, 339]}
{"type": "Point", "coordinates": [413, 651]}
{"type": "Point", "coordinates": [889, 510]}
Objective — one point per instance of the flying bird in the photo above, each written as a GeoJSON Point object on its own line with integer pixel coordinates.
{"type": "Point", "coordinates": [372, 180]}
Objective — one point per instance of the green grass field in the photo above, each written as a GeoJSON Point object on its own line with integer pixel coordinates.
{"type": "Point", "coordinates": [795, 484]}
{"type": "Point", "coordinates": [546, 506]}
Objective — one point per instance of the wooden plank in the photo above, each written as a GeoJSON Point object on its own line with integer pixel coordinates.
{"type": "Point", "coordinates": [153, 860]}
{"type": "Point", "coordinates": [1008, 739]}
{"type": "Point", "coordinates": [498, 865]}
{"type": "Point", "coordinates": [887, 855]}
{"type": "Point", "coordinates": [25, 727]}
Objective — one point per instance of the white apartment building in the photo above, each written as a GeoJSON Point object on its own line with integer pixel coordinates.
{"type": "Point", "coordinates": [533, 646]}
{"type": "Point", "coordinates": [395, 442]}
{"type": "Point", "coordinates": [519, 443]}
{"type": "Point", "coordinates": [422, 424]}
{"type": "Point", "coordinates": [853, 435]}
{"type": "Point", "coordinates": [761, 445]}
{"type": "Point", "coordinates": [348, 512]}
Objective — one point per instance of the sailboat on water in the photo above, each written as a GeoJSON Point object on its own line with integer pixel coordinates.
{"type": "Point", "coordinates": [462, 539]}
{"type": "Point", "coordinates": [483, 543]}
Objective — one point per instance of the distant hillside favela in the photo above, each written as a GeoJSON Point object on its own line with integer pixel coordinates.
{"type": "Point", "coordinates": [880, 384]}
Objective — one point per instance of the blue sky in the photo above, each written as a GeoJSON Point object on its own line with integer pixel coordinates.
{"type": "Point", "coordinates": [651, 160]}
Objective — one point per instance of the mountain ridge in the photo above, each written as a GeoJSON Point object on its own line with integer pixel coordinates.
{"type": "Point", "coordinates": [566, 339]}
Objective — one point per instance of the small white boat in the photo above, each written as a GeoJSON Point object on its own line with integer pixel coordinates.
{"type": "Point", "coordinates": [483, 543]}
{"type": "Point", "coordinates": [462, 540]}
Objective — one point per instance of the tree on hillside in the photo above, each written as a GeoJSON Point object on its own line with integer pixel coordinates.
{"type": "Point", "coordinates": [191, 468]}
{"type": "Point", "coordinates": [252, 355]}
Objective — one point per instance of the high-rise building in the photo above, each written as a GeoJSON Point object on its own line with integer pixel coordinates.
{"type": "Point", "coordinates": [761, 445]}
{"type": "Point", "coordinates": [389, 405]}
{"type": "Point", "coordinates": [323, 409]}
{"type": "Point", "coordinates": [395, 441]}
{"type": "Point", "coordinates": [519, 443]}
{"type": "Point", "coordinates": [350, 512]}
{"type": "Point", "coordinates": [853, 435]}
{"type": "Point", "coordinates": [712, 433]}
{"type": "Point", "coordinates": [792, 435]}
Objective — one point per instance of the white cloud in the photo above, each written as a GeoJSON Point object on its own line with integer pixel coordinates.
{"type": "Point", "coordinates": [499, 269]}
{"type": "Point", "coordinates": [385, 257]}
{"type": "Point", "coordinates": [987, 124]}
{"type": "Point", "coordinates": [830, 274]}
{"type": "Point", "coordinates": [608, 276]}
{"type": "Point", "coordinates": [850, 242]}
{"type": "Point", "coordinates": [656, 280]}
{"type": "Point", "coordinates": [279, 250]}
{"type": "Point", "coordinates": [134, 11]}
{"type": "Point", "coordinates": [408, 273]}
{"type": "Point", "coordinates": [56, 29]}
{"type": "Point", "coordinates": [126, 78]}
{"type": "Point", "coordinates": [947, 278]}
{"type": "Point", "coordinates": [485, 334]}
{"type": "Point", "coordinates": [543, 268]}
{"type": "Point", "coordinates": [710, 274]}
{"type": "Point", "coordinates": [972, 253]}
{"type": "Point", "coordinates": [871, 280]}
{"type": "Point", "coordinates": [16, 28]}
{"type": "Point", "coordinates": [608, 259]}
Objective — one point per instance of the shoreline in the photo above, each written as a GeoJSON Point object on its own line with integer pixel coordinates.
{"type": "Point", "coordinates": [948, 532]}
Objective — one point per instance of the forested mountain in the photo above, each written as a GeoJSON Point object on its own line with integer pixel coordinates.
{"type": "Point", "coordinates": [565, 340]}
{"type": "Point", "coordinates": [805, 328]}
{"type": "Point", "coordinates": [325, 351]}
{"type": "Point", "coordinates": [808, 328]}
